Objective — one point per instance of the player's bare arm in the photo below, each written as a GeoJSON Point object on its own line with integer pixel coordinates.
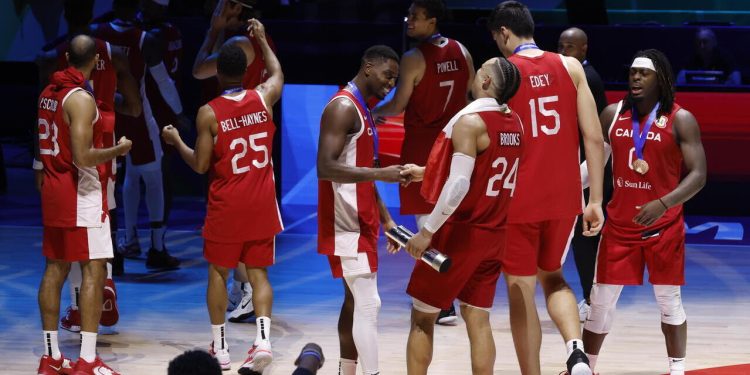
{"type": "Point", "coordinates": [271, 88]}
{"type": "Point", "coordinates": [688, 136]}
{"type": "Point", "coordinates": [223, 16]}
{"type": "Point", "coordinates": [469, 137]}
{"type": "Point", "coordinates": [199, 158]}
{"type": "Point", "coordinates": [472, 72]}
{"type": "Point", "coordinates": [80, 113]}
{"type": "Point", "coordinates": [340, 119]}
{"type": "Point", "coordinates": [154, 48]}
{"type": "Point", "coordinates": [128, 102]}
{"type": "Point", "coordinates": [605, 118]}
{"type": "Point", "coordinates": [593, 141]}
{"type": "Point", "coordinates": [411, 70]}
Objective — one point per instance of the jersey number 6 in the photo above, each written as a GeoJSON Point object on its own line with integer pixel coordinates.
{"type": "Point", "coordinates": [241, 154]}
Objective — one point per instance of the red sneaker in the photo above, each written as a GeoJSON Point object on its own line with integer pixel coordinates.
{"type": "Point", "coordinates": [51, 366]}
{"type": "Point", "coordinates": [98, 367]}
{"type": "Point", "coordinates": [110, 314]}
{"type": "Point", "coordinates": [72, 320]}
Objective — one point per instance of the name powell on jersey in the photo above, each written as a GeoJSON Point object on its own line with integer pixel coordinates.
{"type": "Point", "coordinates": [509, 139]}
{"type": "Point", "coordinates": [620, 132]}
{"type": "Point", "coordinates": [642, 185]}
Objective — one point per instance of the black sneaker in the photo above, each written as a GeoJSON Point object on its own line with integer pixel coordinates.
{"type": "Point", "coordinates": [311, 349]}
{"type": "Point", "coordinates": [161, 259]}
{"type": "Point", "coordinates": [130, 251]}
{"type": "Point", "coordinates": [447, 317]}
{"type": "Point", "coordinates": [118, 264]}
{"type": "Point", "coordinates": [578, 363]}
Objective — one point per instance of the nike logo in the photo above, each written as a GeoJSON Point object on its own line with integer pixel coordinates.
{"type": "Point", "coordinates": [103, 371]}
{"type": "Point", "coordinates": [246, 303]}
{"type": "Point", "coordinates": [56, 368]}
{"type": "Point", "coordinates": [623, 118]}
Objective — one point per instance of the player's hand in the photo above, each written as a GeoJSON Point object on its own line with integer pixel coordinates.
{"type": "Point", "coordinates": [593, 219]}
{"type": "Point", "coordinates": [170, 135]}
{"type": "Point", "coordinates": [649, 213]}
{"type": "Point", "coordinates": [256, 29]}
{"type": "Point", "coordinates": [418, 244]}
{"type": "Point", "coordinates": [124, 144]}
{"type": "Point", "coordinates": [219, 16]}
{"type": "Point", "coordinates": [392, 246]}
{"type": "Point", "coordinates": [414, 172]}
{"type": "Point", "coordinates": [392, 174]}
{"type": "Point", "coordinates": [38, 179]}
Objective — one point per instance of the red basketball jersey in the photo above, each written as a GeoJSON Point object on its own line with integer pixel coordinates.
{"type": "Point", "coordinates": [172, 37]}
{"type": "Point", "coordinates": [631, 189]}
{"type": "Point", "coordinates": [493, 180]}
{"type": "Point", "coordinates": [440, 94]}
{"type": "Point", "coordinates": [549, 179]}
{"type": "Point", "coordinates": [242, 195]}
{"type": "Point", "coordinates": [129, 38]}
{"type": "Point", "coordinates": [72, 196]}
{"type": "Point", "coordinates": [256, 72]}
{"type": "Point", "coordinates": [348, 214]}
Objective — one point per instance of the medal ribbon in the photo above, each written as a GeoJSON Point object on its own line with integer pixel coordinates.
{"type": "Point", "coordinates": [358, 95]}
{"type": "Point", "coordinates": [231, 91]}
{"type": "Point", "coordinates": [639, 138]}
{"type": "Point", "coordinates": [525, 46]}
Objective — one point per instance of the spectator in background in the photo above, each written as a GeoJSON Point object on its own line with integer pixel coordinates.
{"type": "Point", "coordinates": [709, 57]}
{"type": "Point", "coordinates": [573, 42]}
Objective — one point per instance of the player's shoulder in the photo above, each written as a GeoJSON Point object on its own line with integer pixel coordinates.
{"type": "Point", "coordinates": [470, 122]}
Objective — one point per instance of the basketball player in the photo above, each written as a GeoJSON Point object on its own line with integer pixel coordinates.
{"type": "Point", "coordinates": [350, 210]}
{"type": "Point", "coordinates": [111, 73]}
{"type": "Point", "coordinates": [228, 23]}
{"type": "Point", "coordinates": [437, 70]}
{"type": "Point", "coordinates": [235, 141]}
{"type": "Point", "coordinates": [74, 205]}
{"type": "Point", "coordinates": [651, 137]}
{"type": "Point", "coordinates": [553, 101]}
{"type": "Point", "coordinates": [145, 53]}
{"type": "Point", "coordinates": [472, 157]}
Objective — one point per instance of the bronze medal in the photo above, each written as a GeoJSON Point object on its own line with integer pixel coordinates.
{"type": "Point", "coordinates": [640, 166]}
{"type": "Point", "coordinates": [661, 122]}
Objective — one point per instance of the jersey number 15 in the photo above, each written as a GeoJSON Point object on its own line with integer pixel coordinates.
{"type": "Point", "coordinates": [546, 113]}
{"type": "Point", "coordinates": [242, 144]}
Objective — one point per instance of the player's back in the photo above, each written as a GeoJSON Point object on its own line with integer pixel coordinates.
{"type": "Point", "coordinates": [549, 184]}
{"type": "Point", "coordinates": [242, 196]}
{"type": "Point", "coordinates": [71, 195]}
{"type": "Point", "coordinates": [172, 41]}
{"type": "Point", "coordinates": [127, 36]}
{"type": "Point", "coordinates": [103, 79]}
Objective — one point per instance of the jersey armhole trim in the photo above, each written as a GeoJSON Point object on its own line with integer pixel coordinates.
{"type": "Point", "coordinates": [356, 135]}
{"type": "Point", "coordinates": [76, 90]}
{"type": "Point", "coordinates": [140, 42]}
{"type": "Point", "coordinates": [262, 100]}
{"type": "Point", "coordinates": [614, 119]}
{"type": "Point", "coordinates": [109, 50]}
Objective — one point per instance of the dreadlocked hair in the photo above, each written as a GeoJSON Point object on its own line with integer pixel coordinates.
{"type": "Point", "coordinates": [508, 73]}
{"type": "Point", "coordinates": [664, 79]}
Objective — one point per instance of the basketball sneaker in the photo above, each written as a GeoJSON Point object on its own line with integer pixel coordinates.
{"type": "Point", "coordinates": [447, 317]}
{"type": "Point", "coordinates": [130, 250]}
{"type": "Point", "coordinates": [311, 349]}
{"type": "Point", "coordinates": [110, 314]}
{"type": "Point", "coordinates": [235, 296]}
{"type": "Point", "coordinates": [244, 310]}
{"type": "Point", "coordinates": [578, 363]}
{"type": "Point", "coordinates": [258, 358]}
{"type": "Point", "coordinates": [222, 356]}
{"type": "Point", "coordinates": [98, 367]}
{"type": "Point", "coordinates": [51, 366]}
{"type": "Point", "coordinates": [161, 259]}
{"type": "Point", "coordinates": [72, 320]}
{"type": "Point", "coordinates": [583, 310]}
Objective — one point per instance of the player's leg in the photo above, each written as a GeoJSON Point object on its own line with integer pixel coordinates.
{"type": "Point", "coordinates": [240, 296]}
{"type": "Point", "coordinates": [364, 288]}
{"type": "Point", "coordinates": [584, 253]}
{"type": "Point", "coordinates": [348, 350]}
{"type": "Point", "coordinates": [673, 325]}
{"type": "Point", "coordinates": [131, 199]}
{"type": "Point", "coordinates": [158, 256]}
{"type": "Point", "coordinates": [257, 257]}
{"type": "Point", "coordinates": [93, 274]}
{"type": "Point", "coordinates": [600, 319]}
{"type": "Point", "coordinates": [419, 344]}
{"type": "Point", "coordinates": [71, 321]}
{"type": "Point", "coordinates": [49, 307]}
{"type": "Point", "coordinates": [448, 316]}
{"type": "Point", "coordinates": [221, 257]}
{"type": "Point", "coordinates": [480, 337]}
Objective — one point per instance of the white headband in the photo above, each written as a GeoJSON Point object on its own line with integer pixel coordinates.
{"type": "Point", "coordinates": [643, 62]}
{"type": "Point", "coordinates": [162, 2]}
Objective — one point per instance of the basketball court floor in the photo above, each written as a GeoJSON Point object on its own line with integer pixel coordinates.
{"type": "Point", "coordinates": [163, 313]}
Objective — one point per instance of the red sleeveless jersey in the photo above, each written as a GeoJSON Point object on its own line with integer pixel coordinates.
{"type": "Point", "coordinates": [242, 195]}
{"type": "Point", "coordinates": [172, 37]}
{"type": "Point", "coordinates": [256, 72]}
{"type": "Point", "coordinates": [72, 196]}
{"type": "Point", "coordinates": [494, 177]}
{"type": "Point", "coordinates": [440, 94]}
{"type": "Point", "coordinates": [348, 214]}
{"type": "Point", "coordinates": [549, 179]}
{"type": "Point", "coordinates": [631, 189]}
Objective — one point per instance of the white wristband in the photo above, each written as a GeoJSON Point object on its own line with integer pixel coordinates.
{"type": "Point", "coordinates": [37, 165]}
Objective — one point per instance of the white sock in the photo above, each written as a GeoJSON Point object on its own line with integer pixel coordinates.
{"type": "Point", "coordinates": [74, 280]}
{"type": "Point", "coordinates": [264, 329]}
{"type": "Point", "coordinates": [219, 332]}
{"type": "Point", "coordinates": [51, 348]}
{"type": "Point", "coordinates": [676, 366]}
{"type": "Point", "coordinates": [88, 346]}
{"type": "Point", "coordinates": [109, 271]}
{"type": "Point", "coordinates": [592, 360]}
{"type": "Point", "coordinates": [347, 366]}
{"type": "Point", "coordinates": [573, 345]}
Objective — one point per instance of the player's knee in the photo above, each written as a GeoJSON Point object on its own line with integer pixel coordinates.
{"type": "Point", "coordinates": [368, 307]}
{"type": "Point", "coordinates": [552, 281]}
{"type": "Point", "coordinates": [670, 303]}
{"type": "Point", "coordinates": [603, 304]}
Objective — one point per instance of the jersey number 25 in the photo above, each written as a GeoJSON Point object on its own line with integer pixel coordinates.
{"type": "Point", "coordinates": [242, 144]}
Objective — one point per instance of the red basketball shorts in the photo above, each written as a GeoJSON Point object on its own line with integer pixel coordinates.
{"type": "Point", "coordinates": [476, 258]}
{"type": "Point", "coordinates": [621, 260]}
{"type": "Point", "coordinates": [542, 244]}
{"type": "Point", "coordinates": [77, 243]}
{"type": "Point", "coordinates": [256, 253]}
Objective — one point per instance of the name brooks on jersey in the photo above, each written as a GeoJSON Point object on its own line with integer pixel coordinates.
{"type": "Point", "coordinates": [48, 104]}
{"type": "Point", "coordinates": [244, 120]}
{"type": "Point", "coordinates": [447, 66]}
{"type": "Point", "coordinates": [509, 139]}
{"type": "Point", "coordinates": [620, 132]}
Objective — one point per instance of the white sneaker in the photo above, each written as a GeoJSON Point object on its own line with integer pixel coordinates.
{"type": "Point", "coordinates": [235, 296]}
{"type": "Point", "coordinates": [583, 310]}
{"type": "Point", "coordinates": [258, 358]}
{"type": "Point", "coordinates": [244, 310]}
{"type": "Point", "coordinates": [222, 356]}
